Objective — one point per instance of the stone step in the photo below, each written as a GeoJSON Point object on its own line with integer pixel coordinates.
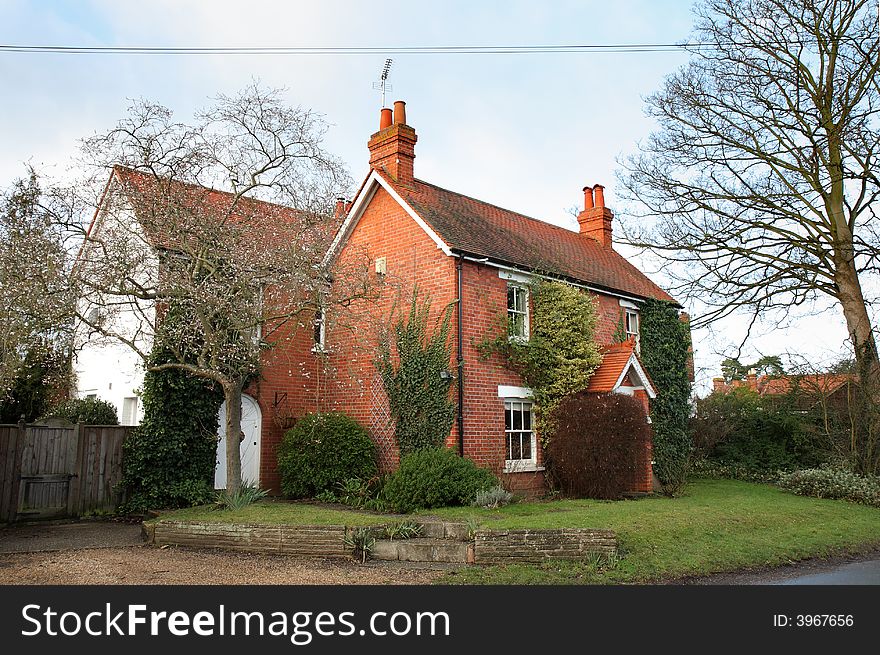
{"type": "Point", "coordinates": [439, 529]}
{"type": "Point", "coordinates": [423, 549]}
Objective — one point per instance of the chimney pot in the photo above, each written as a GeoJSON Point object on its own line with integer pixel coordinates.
{"type": "Point", "coordinates": [595, 219]}
{"type": "Point", "coordinates": [392, 148]}
{"type": "Point", "coordinates": [588, 197]}
{"type": "Point", "coordinates": [399, 112]}
{"type": "Point", "coordinates": [385, 118]}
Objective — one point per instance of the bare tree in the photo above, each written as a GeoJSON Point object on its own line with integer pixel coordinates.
{"type": "Point", "coordinates": [763, 173]}
{"type": "Point", "coordinates": [218, 277]}
{"type": "Point", "coordinates": [34, 299]}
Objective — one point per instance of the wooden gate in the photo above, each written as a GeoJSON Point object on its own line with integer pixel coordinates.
{"type": "Point", "coordinates": [52, 472]}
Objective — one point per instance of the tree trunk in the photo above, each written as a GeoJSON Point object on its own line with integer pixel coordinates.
{"type": "Point", "coordinates": [232, 396]}
{"type": "Point", "coordinates": [858, 323]}
{"type": "Point", "coordinates": [864, 435]}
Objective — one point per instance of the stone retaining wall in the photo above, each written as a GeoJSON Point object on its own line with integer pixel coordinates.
{"type": "Point", "coordinates": [536, 546]}
{"type": "Point", "coordinates": [308, 541]}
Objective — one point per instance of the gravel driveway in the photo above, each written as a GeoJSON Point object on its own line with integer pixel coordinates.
{"type": "Point", "coordinates": [114, 553]}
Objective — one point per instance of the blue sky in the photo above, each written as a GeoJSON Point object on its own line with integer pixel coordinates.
{"type": "Point", "coordinates": [524, 131]}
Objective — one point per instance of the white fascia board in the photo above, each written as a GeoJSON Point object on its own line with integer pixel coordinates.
{"type": "Point", "coordinates": [634, 364]}
{"type": "Point", "coordinates": [515, 276]}
{"type": "Point", "coordinates": [374, 181]}
{"type": "Point", "coordinates": [505, 391]}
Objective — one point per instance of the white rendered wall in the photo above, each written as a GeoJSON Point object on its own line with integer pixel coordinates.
{"type": "Point", "coordinates": [112, 372]}
{"type": "Point", "coordinates": [105, 367]}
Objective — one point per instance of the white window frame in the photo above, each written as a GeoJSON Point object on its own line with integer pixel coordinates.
{"type": "Point", "coordinates": [632, 316]}
{"type": "Point", "coordinates": [517, 465]}
{"type": "Point", "coordinates": [319, 322]}
{"type": "Point", "coordinates": [524, 313]}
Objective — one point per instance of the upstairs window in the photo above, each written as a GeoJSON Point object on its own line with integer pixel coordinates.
{"type": "Point", "coordinates": [319, 331]}
{"type": "Point", "coordinates": [632, 325]}
{"type": "Point", "coordinates": [518, 311]}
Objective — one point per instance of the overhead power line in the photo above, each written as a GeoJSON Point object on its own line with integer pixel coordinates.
{"type": "Point", "coordinates": [333, 50]}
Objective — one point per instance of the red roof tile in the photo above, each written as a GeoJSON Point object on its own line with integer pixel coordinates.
{"type": "Point", "coordinates": [614, 363]}
{"type": "Point", "coordinates": [477, 228]}
{"type": "Point", "coordinates": [152, 194]}
{"type": "Point", "coordinates": [765, 385]}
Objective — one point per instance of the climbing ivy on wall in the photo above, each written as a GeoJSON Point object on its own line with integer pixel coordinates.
{"type": "Point", "coordinates": [665, 342]}
{"type": "Point", "coordinates": [561, 353]}
{"type": "Point", "coordinates": [169, 458]}
{"type": "Point", "coordinates": [414, 373]}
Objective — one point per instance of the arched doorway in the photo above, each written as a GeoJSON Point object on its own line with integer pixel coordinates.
{"type": "Point", "coordinates": [251, 420]}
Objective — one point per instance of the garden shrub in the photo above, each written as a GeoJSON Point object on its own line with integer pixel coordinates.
{"type": "Point", "coordinates": [170, 457]}
{"type": "Point", "coordinates": [753, 436]}
{"type": "Point", "coordinates": [90, 411]}
{"type": "Point", "coordinates": [322, 450]}
{"type": "Point", "coordinates": [833, 483]}
{"type": "Point", "coordinates": [492, 498]}
{"type": "Point", "coordinates": [600, 446]}
{"type": "Point", "coordinates": [247, 494]}
{"type": "Point", "coordinates": [436, 478]}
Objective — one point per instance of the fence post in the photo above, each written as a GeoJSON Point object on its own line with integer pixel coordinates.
{"type": "Point", "coordinates": [21, 440]}
{"type": "Point", "coordinates": [76, 480]}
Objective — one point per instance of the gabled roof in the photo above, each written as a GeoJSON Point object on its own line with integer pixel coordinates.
{"type": "Point", "coordinates": [150, 193]}
{"type": "Point", "coordinates": [476, 228]}
{"type": "Point", "coordinates": [618, 361]}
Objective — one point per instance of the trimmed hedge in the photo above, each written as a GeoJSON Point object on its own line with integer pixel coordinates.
{"type": "Point", "coordinates": [322, 450]}
{"type": "Point", "coordinates": [90, 411]}
{"type": "Point", "coordinates": [436, 478]}
{"type": "Point", "coordinates": [600, 447]}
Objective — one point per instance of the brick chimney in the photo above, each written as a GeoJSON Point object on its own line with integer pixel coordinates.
{"type": "Point", "coordinates": [595, 219]}
{"type": "Point", "coordinates": [392, 148]}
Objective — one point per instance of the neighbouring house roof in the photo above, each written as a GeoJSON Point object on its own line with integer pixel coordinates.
{"type": "Point", "coordinates": [483, 230]}
{"type": "Point", "coordinates": [619, 361]}
{"type": "Point", "coordinates": [780, 385]}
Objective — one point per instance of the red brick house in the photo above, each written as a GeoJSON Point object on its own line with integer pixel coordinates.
{"type": "Point", "coordinates": [479, 257]}
{"type": "Point", "coordinates": [460, 251]}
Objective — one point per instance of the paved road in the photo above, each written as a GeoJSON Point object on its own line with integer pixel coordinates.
{"type": "Point", "coordinates": [845, 570]}
{"type": "Point", "coordinates": [856, 573]}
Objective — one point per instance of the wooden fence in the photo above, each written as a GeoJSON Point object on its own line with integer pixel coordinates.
{"type": "Point", "coordinates": [52, 472]}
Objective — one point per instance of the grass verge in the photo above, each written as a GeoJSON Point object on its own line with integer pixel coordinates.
{"type": "Point", "coordinates": [270, 512]}
{"type": "Point", "coordinates": [716, 526]}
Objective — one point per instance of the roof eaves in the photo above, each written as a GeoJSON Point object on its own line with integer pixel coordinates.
{"type": "Point", "coordinates": [481, 258]}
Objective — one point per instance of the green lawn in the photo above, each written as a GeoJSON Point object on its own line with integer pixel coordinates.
{"type": "Point", "coordinates": [278, 513]}
{"type": "Point", "coordinates": [717, 525]}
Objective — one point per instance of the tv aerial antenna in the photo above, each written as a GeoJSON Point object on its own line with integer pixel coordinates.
{"type": "Point", "coordinates": [382, 85]}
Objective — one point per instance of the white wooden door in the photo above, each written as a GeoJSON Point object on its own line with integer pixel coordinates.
{"type": "Point", "coordinates": [251, 419]}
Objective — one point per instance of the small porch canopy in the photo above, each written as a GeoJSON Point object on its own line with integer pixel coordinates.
{"type": "Point", "coordinates": [622, 372]}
